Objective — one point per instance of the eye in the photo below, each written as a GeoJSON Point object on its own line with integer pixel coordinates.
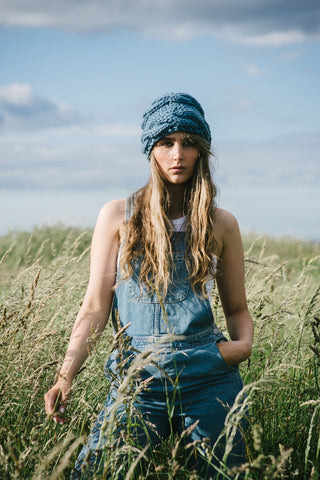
{"type": "Point", "coordinates": [188, 143]}
{"type": "Point", "coordinates": [166, 142]}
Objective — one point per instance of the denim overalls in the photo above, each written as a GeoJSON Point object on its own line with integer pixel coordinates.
{"type": "Point", "coordinates": [173, 342]}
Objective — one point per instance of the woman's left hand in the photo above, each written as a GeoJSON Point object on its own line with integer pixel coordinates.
{"type": "Point", "coordinates": [234, 352]}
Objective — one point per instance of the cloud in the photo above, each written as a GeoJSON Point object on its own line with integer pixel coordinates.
{"type": "Point", "coordinates": [45, 145]}
{"type": "Point", "coordinates": [22, 109]}
{"type": "Point", "coordinates": [49, 161]}
{"type": "Point", "coordinates": [254, 22]}
{"type": "Point", "coordinates": [103, 129]}
{"type": "Point", "coordinates": [254, 70]}
{"type": "Point", "coordinates": [289, 160]}
{"type": "Point", "coordinates": [53, 162]}
{"type": "Point", "coordinates": [238, 105]}
{"type": "Point", "coordinates": [275, 39]}
{"type": "Point", "coordinates": [292, 55]}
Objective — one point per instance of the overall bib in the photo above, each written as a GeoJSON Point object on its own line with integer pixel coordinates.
{"type": "Point", "coordinates": [171, 344]}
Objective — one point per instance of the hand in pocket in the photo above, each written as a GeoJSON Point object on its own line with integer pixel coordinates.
{"type": "Point", "coordinates": [233, 352]}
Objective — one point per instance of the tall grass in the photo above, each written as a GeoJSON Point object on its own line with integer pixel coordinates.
{"type": "Point", "coordinates": [43, 278]}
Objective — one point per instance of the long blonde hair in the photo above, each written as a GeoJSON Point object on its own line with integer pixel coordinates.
{"type": "Point", "coordinates": [149, 230]}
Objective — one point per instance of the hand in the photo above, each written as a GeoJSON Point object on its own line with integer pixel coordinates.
{"type": "Point", "coordinates": [56, 400]}
{"type": "Point", "coordinates": [234, 352]}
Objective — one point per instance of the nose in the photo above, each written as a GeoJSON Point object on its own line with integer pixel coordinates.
{"type": "Point", "coordinates": [177, 152]}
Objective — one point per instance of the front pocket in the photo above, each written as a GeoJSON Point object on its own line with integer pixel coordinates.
{"type": "Point", "coordinates": [177, 291]}
{"type": "Point", "coordinates": [222, 360]}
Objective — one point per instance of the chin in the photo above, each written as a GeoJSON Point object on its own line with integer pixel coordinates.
{"type": "Point", "coordinates": [178, 182]}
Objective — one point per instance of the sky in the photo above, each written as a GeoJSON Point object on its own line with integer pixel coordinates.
{"type": "Point", "coordinates": [76, 77]}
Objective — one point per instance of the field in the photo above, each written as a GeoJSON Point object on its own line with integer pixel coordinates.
{"type": "Point", "coordinates": [43, 277]}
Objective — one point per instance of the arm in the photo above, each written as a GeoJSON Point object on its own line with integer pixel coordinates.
{"type": "Point", "coordinates": [232, 292]}
{"type": "Point", "coordinates": [94, 312]}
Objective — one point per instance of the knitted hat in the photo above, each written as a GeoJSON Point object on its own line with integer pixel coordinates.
{"type": "Point", "coordinates": [173, 112]}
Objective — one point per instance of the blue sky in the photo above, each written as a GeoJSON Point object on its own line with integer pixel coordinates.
{"type": "Point", "coordinates": [75, 78]}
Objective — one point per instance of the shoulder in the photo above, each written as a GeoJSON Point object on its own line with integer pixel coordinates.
{"type": "Point", "coordinates": [114, 209]}
{"type": "Point", "coordinates": [226, 228]}
{"type": "Point", "coordinates": [112, 215]}
{"type": "Point", "coordinates": [225, 221]}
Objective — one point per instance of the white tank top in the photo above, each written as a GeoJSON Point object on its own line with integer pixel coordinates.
{"type": "Point", "coordinates": [179, 224]}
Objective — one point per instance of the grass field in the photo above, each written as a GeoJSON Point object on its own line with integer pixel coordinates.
{"type": "Point", "coordinates": [43, 278]}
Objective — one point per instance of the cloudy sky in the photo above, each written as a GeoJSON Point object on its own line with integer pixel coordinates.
{"type": "Point", "coordinates": [75, 78]}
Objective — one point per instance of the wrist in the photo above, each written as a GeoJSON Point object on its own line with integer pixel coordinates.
{"type": "Point", "coordinates": [63, 378]}
{"type": "Point", "coordinates": [246, 348]}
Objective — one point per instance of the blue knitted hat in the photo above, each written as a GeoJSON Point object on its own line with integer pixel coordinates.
{"type": "Point", "coordinates": [173, 112]}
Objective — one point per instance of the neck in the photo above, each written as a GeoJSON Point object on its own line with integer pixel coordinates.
{"type": "Point", "coordinates": [177, 200]}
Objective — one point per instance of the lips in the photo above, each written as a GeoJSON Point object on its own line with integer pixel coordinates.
{"type": "Point", "coordinates": [177, 169]}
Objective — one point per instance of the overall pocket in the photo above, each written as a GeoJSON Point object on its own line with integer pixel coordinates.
{"type": "Point", "coordinates": [222, 360]}
{"type": "Point", "coordinates": [178, 288]}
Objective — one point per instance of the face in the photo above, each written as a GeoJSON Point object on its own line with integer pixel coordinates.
{"type": "Point", "coordinates": [176, 157]}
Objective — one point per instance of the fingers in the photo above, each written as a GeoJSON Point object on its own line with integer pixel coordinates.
{"type": "Point", "coordinates": [59, 417]}
{"type": "Point", "coordinates": [56, 400]}
{"type": "Point", "coordinates": [51, 399]}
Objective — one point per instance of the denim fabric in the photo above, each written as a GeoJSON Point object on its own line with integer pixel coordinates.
{"type": "Point", "coordinates": [172, 346]}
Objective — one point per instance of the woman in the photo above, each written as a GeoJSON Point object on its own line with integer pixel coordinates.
{"type": "Point", "coordinates": [152, 259]}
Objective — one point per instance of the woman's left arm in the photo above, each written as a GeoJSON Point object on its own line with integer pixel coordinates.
{"type": "Point", "coordinates": [230, 282]}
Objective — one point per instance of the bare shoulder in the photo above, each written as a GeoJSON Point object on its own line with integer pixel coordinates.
{"type": "Point", "coordinates": [111, 216]}
{"type": "Point", "coordinates": [225, 221]}
{"type": "Point", "coordinates": [226, 228]}
{"type": "Point", "coordinates": [114, 207]}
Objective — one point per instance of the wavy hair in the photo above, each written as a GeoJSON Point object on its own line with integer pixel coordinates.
{"type": "Point", "coordinates": [149, 230]}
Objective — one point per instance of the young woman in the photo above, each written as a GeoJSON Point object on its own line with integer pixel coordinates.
{"type": "Point", "coordinates": [152, 259]}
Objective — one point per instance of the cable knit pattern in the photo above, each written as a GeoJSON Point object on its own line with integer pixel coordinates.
{"type": "Point", "coordinates": [173, 112]}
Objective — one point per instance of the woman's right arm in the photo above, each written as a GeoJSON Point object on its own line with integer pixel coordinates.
{"type": "Point", "coordinates": [95, 310]}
